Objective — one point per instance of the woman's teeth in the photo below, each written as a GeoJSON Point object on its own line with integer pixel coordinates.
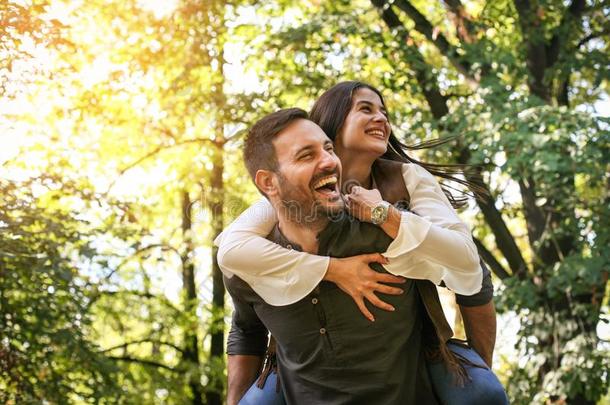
{"type": "Point", "coordinates": [376, 132]}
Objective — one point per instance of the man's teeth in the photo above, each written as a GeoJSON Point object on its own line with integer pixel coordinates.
{"type": "Point", "coordinates": [324, 181]}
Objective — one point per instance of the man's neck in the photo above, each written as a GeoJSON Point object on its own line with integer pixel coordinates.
{"type": "Point", "coordinates": [303, 234]}
{"type": "Point", "coordinates": [357, 170]}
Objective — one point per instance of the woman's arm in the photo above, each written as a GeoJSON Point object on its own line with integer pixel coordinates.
{"type": "Point", "coordinates": [432, 242]}
{"type": "Point", "coordinates": [271, 270]}
{"type": "Point", "coordinates": [282, 277]}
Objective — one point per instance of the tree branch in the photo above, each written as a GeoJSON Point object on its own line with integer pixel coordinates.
{"type": "Point", "coordinates": [163, 247]}
{"type": "Point", "coordinates": [141, 294]}
{"type": "Point", "coordinates": [557, 42]}
{"type": "Point", "coordinates": [533, 39]}
{"type": "Point", "coordinates": [491, 261]}
{"type": "Point", "coordinates": [157, 150]}
{"type": "Point", "coordinates": [127, 344]}
{"type": "Point", "coordinates": [423, 26]}
{"type": "Point", "coordinates": [592, 36]}
{"type": "Point", "coordinates": [464, 27]}
{"type": "Point", "coordinates": [423, 73]}
{"type": "Point", "coordinates": [143, 362]}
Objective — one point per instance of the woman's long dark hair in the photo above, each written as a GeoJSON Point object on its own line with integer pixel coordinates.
{"type": "Point", "coordinates": [331, 109]}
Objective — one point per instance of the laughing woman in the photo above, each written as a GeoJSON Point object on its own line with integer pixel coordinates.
{"type": "Point", "coordinates": [432, 246]}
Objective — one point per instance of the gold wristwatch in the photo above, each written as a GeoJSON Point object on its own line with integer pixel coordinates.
{"type": "Point", "coordinates": [379, 214]}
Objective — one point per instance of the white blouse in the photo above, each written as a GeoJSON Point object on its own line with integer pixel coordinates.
{"type": "Point", "coordinates": [433, 244]}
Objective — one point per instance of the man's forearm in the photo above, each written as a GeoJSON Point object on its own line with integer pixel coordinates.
{"type": "Point", "coordinates": [480, 327]}
{"type": "Point", "coordinates": [241, 372]}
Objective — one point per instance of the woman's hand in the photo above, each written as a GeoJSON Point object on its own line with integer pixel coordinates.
{"type": "Point", "coordinates": [354, 276]}
{"type": "Point", "coordinates": [360, 202]}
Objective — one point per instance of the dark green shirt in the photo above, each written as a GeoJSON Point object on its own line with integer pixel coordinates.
{"type": "Point", "coordinates": [328, 352]}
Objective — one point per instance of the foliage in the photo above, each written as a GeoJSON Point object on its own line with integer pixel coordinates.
{"type": "Point", "coordinates": [112, 282]}
{"type": "Point", "coordinates": [45, 354]}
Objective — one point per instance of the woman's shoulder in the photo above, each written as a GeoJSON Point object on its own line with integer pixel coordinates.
{"type": "Point", "coordinates": [390, 181]}
{"type": "Point", "coordinates": [406, 172]}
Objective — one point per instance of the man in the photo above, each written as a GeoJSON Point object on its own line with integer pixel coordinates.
{"type": "Point", "coordinates": [328, 353]}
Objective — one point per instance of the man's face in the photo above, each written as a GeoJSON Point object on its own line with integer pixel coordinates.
{"type": "Point", "coordinates": [308, 172]}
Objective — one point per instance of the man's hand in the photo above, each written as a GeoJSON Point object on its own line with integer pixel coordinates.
{"type": "Point", "coordinates": [354, 276]}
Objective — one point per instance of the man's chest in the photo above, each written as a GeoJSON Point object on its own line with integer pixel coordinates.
{"type": "Point", "coordinates": [326, 326]}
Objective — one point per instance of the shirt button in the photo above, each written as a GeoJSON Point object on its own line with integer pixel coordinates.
{"type": "Point", "coordinates": [322, 331]}
{"type": "Point", "coordinates": [314, 301]}
{"type": "Point", "coordinates": [289, 247]}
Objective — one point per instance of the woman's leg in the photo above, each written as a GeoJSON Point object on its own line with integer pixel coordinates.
{"type": "Point", "coordinates": [483, 387]}
{"type": "Point", "coordinates": [268, 395]}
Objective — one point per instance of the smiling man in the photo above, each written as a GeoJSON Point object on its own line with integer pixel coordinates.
{"type": "Point", "coordinates": [327, 352]}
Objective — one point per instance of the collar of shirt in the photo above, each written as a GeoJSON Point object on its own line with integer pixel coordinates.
{"type": "Point", "coordinates": [334, 225]}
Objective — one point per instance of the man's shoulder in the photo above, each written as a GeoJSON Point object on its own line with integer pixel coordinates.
{"type": "Point", "coordinates": [238, 287]}
{"type": "Point", "coordinates": [348, 236]}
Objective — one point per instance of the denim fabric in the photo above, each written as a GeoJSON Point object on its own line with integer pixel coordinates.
{"type": "Point", "coordinates": [482, 389]}
{"type": "Point", "coordinates": [268, 395]}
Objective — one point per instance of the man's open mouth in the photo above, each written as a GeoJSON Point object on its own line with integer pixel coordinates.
{"type": "Point", "coordinates": [327, 186]}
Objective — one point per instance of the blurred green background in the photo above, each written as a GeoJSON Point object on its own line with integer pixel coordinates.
{"type": "Point", "coordinates": [121, 127]}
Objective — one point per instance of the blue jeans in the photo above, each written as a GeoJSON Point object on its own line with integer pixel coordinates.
{"type": "Point", "coordinates": [268, 395]}
{"type": "Point", "coordinates": [482, 389]}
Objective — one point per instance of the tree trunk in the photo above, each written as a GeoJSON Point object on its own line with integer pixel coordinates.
{"type": "Point", "coordinates": [191, 342]}
{"type": "Point", "coordinates": [215, 201]}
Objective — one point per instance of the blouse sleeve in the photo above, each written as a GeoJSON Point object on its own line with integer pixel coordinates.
{"type": "Point", "coordinates": [273, 272]}
{"type": "Point", "coordinates": [441, 246]}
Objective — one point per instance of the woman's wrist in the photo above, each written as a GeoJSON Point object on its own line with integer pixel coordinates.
{"type": "Point", "coordinates": [391, 225]}
{"type": "Point", "coordinates": [332, 270]}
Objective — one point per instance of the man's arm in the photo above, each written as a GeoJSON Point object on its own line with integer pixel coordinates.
{"type": "Point", "coordinates": [246, 342]}
{"type": "Point", "coordinates": [479, 315]}
{"type": "Point", "coordinates": [242, 370]}
{"type": "Point", "coordinates": [480, 326]}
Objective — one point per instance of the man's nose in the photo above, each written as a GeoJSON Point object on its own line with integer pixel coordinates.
{"type": "Point", "coordinates": [329, 160]}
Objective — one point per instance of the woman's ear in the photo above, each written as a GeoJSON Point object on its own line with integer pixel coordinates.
{"type": "Point", "coordinates": [265, 181]}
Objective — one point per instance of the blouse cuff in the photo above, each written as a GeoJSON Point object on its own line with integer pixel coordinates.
{"type": "Point", "coordinates": [411, 233]}
{"type": "Point", "coordinates": [308, 272]}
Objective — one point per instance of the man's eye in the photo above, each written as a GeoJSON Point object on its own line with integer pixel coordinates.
{"type": "Point", "coordinates": [305, 156]}
{"type": "Point", "coordinates": [330, 149]}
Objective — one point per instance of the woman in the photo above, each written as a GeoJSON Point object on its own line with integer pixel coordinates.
{"type": "Point", "coordinates": [440, 247]}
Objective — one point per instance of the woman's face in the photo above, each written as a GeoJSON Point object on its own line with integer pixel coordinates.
{"type": "Point", "coordinates": [366, 128]}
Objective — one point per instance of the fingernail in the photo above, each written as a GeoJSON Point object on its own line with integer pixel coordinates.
{"type": "Point", "coordinates": [392, 309]}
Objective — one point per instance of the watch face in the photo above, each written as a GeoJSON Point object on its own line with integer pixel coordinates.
{"type": "Point", "coordinates": [378, 214]}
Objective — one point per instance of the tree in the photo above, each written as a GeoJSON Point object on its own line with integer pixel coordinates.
{"type": "Point", "coordinates": [163, 92]}
{"type": "Point", "coordinates": [45, 354]}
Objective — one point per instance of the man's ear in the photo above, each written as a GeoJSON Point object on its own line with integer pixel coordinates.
{"type": "Point", "coordinates": [265, 181]}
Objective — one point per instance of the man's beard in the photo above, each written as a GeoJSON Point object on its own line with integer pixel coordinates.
{"type": "Point", "coordinates": [301, 207]}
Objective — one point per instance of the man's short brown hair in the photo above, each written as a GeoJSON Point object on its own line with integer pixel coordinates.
{"type": "Point", "coordinates": [259, 152]}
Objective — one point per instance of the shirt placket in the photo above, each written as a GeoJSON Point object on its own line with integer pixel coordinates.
{"type": "Point", "coordinates": [321, 316]}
